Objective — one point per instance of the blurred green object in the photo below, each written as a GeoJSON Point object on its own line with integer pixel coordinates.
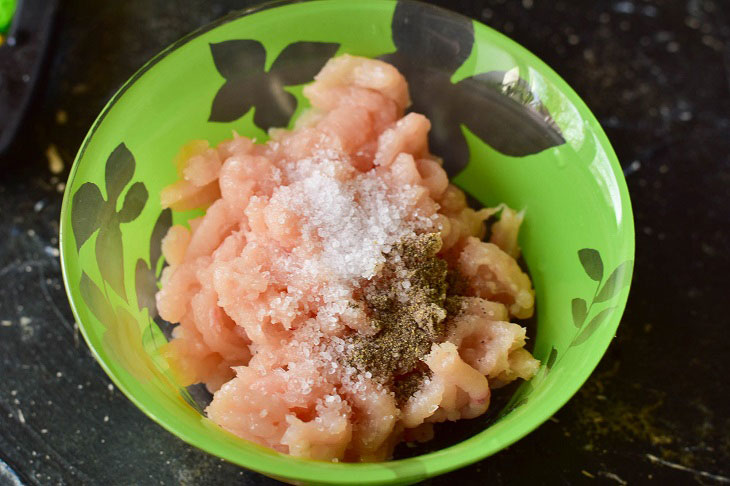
{"type": "Point", "coordinates": [7, 10]}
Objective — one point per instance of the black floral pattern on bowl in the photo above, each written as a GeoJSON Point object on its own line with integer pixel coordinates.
{"type": "Point", "coordinates": [91, 212]}
{"type": "Point", "coordinates": [607, 290]}
{"type": "Point", "coordinates": [241, 63]}
{"type": "Point", "coordinates": [431, 45]}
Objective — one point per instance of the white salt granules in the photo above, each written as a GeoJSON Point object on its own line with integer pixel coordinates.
{"type": "Point", "coordinates": [351, 219]}
{"type": "Point", "coordinates": [355, 217]}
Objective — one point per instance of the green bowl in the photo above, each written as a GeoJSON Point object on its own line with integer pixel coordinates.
{"type": "Point", "coordinates": [509, 128]}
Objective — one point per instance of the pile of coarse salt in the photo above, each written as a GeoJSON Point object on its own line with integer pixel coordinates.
{"type": "Point", "coordinates": [353, 219]}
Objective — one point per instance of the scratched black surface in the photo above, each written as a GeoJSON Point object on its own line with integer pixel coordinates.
{"type": "Point", "coordinates": [656, 410]}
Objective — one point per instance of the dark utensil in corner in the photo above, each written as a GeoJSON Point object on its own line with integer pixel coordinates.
{"type": "Point", "coordinates": [22, 51]}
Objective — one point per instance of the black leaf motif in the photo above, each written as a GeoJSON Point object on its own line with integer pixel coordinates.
{"type": "Point", "coordinates": [431, 45]}
{"type": "Point", "coordinates": [519, 403]}
{"type": "Point", "coordinates": [145, 279]}
{"type": "Point", "coordinates": [516, 402]}
{"type": "Point", "coordinates": [145, 285]}
{"type": "Point", "coordinates": [241, 63]}
{"type": "Point", "coordinates": [509, 104]}
{"type": "Point", "coordinates": [163, 223]}
{"type": "Point", "coordinates": [134, 202]}
{"type": "Point", "coordinates": [592, 326]}
{"type": "Point", "coordinates": [95, 299]}
{"type": "Point", "coordinates": [236, 59]}
{"type": "Point", "coordinates": [580, 311]}
{"type": "Point", "coordinates": [91, 212]}
{"type": "Point", "coordinates": [281, 108]}
{"type": "Point", "coordinates": [447, 140]}
{"type": "Point", "coordinates": [232, 101]}
{"type": "Point", "coordinates": [85, 208]}
{"type": "Point", "coordinates": [551, 359]}
{"type": "Point", "coordinates": [509, 83]}
{"type": "Point", "coordinates": [299, 62]}
{"type": "Point", "coordinates": [119, 170]}
{"type": "Point", "coordinates": [615, 282]}
{"type": "Point", "coordinates": [511, 408]}
{"type": "Point", "coordinates": [110, 257]}
{"type": "Point", "coordinates": [441, 38]}
{"type": "Point", "coordinates": [592, 263]}
{"type": "Point", "coordinates": [526, 389]}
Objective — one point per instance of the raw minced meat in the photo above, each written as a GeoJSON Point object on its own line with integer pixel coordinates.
{"type": "Point", "coordinates": [336, 296]}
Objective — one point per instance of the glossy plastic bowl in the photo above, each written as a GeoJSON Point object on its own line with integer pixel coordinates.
{"type": "Point", "coordinates": [509, 128]}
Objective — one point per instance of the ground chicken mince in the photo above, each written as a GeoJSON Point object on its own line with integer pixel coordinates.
{"type": "Point", "coordinates": [337, 297]}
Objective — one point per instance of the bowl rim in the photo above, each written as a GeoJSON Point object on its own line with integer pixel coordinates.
{"type": "Point", "coordinates": [401, 470]}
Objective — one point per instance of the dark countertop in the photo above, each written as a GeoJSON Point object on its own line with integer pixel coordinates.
{"type": "Point", "coordinates": [657, 76]}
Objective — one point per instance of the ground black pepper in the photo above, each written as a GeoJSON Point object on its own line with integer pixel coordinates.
{"type": "Point", "coordinates": [405, 386]}
{"type": "Point", "coordinates": [405, 303]}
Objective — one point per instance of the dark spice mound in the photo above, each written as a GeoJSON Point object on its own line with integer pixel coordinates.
{"type": "Point", "coordinates": [406, 305]}
{"type": "Point", "coordinates": [405, 386]}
